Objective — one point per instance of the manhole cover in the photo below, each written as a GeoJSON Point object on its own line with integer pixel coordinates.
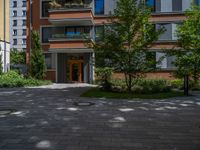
{"type": "Point", "coordinates": [83, 103]}
{"type": "Point", "coordinates": [6, 111]}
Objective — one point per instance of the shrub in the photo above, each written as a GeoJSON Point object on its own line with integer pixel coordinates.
{"type": "Point", "coordinates": [13, 79]}
{"type": "Point", "coordinates": [153, 86]}
{"type": "Point", "coordinates": [104, 77]}
{"type": "Point", "coordinates": [144, 86]}
{"type": "Point", "coordinates": [177, 83]}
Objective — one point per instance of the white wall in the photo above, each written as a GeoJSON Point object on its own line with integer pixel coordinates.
{"type": "Point", "coordinates": [7, 55]}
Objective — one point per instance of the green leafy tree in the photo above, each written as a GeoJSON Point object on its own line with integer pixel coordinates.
{"type": "Point", "coordinates": [1, 65]}
{"type": "Point", "coordinates": [17, 57]}
{"type": "Point", "coordinates": [37, 61]}
{"type": "Point", "coordinates": [188, 58]}
{"type": "Point", "coordinates": [125, 43]}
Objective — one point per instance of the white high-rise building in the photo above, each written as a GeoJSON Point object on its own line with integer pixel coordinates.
{"type": "Point", "coordinates": [18, 24]}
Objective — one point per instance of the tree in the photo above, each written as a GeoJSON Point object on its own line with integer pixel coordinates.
{"type": "Point", "coordinates": [188, 58]}
{"type": "Point", "coordinates": [125, 43]}
{"type": "Point", "coordinates": [1, 65]}
{"type": "Point", "coordinates": [17, 57]}
{"type": "Point", "coordinates": [37, 60]}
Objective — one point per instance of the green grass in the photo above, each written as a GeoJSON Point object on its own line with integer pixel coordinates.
{"type": "Point", "coordinates": [97, 93]}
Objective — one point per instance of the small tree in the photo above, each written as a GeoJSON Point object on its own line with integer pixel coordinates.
{"type": "Point", "coordinates": [17, 57]}
{"type": "Point", "coordinates": [188, 58]}
{"type": "Point", "coordinates": [125, 43]}
{"type": "Point", "coordinates": [37, 61]}
{"type": "Point", "coordinates": [1, 65]}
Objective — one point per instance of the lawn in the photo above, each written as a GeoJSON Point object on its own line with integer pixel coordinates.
{"type": "Point", "coordinates": [97, 93]}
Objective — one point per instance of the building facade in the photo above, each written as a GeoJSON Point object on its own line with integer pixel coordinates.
{"type": "Point", "coordinates": [63, 27]}
{"type": "Point", "coordinates": [18, 24]}
{"type": "Point", "coordinates": [4, 34]}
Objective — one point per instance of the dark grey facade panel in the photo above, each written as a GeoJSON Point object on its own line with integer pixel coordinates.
{"type": "Point", "coordinates": [158, 5]}
{"type": "Point", "coordinates": [177, 5]}
{"type": "Point", "coordinates": [62, 65]}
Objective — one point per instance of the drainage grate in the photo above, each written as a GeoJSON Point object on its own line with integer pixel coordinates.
{"type": "Point", "coordinates": [4, 112]}
{"type": "Point", "coordinates": [83, 103]}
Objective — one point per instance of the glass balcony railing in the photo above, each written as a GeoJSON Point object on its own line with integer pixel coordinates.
{"type": "Point", "coordinates": [83, 36]}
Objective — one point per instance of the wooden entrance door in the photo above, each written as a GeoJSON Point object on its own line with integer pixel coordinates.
{"type": "Point", "coordinates": [76, 70]}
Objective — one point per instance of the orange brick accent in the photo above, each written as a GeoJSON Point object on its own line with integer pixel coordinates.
{"type": "Point", "coordinates": [70, 14]}
{"type": "Point", "coordinates": [68, 44]}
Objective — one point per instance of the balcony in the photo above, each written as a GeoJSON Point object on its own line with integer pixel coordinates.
{"type": "Point", "coordinates": [71, 14]}
{"type": "Point", "coordinates": [70, 43]}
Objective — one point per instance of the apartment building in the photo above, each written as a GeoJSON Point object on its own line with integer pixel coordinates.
{"type": "Point", "coordinates": [64, 30]}
{"type": "Point", "coordinates": [18, 24]}
{"type": "Point", "coordinates": [4, 34]}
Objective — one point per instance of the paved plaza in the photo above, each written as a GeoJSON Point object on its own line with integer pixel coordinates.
{"type": "Point", "coordinates": [46, 118]}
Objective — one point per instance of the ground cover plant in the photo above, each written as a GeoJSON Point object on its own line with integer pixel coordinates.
{"type": "Point", "coordinates": [14, 79]}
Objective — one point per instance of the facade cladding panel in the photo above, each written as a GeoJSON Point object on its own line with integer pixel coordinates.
{"type": "Point", "coordinates": [177, 5]}
{"type": "Point", "coordinates": [65, 54]}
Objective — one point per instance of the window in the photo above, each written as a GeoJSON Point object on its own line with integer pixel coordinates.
{"type": "Point", "coordinates": [151, 4]}
{"type": "Point", "coordinates": [24, 32]}
{"type": "Point", "coordinates": [14, 22]}
{"type": "Point", "coordinates": [24, 13]}
{"type": "Point", "coordinates": [151, 59]}
{"type": "Point", "coordinates": [14, 32]}
{"type": "Point", "coordinates": [14, 13]}
{"type": "Point", "coordinates": [72, 32]}
{"type": "Point", "coordinates": [14, 3]}
{"type": "Point", "coordinates": [99, 7]}
{"type": "Point", "coordinates": [99, 32]}
{"type": "Point", "coordinates": [23, 3]}
{"type": "Point", "coordinates": [49, 59]}
{"type": "Point", "coordinates": [24, 23]}
{"type": "Point", "coordinates": [24, 41]}
{"type": "Point", "coordinates": [46, 34]}
{"type": "Point", "coordinates": [197, 2]}
{"type": "Point", "coordinates": [167, 35]}
{"type": "Point", "coordinates": [176, 5]}
{"type": "Point", "coordinates": [45, 8]}
{"type": "Point", "coordinates": [14, 41]}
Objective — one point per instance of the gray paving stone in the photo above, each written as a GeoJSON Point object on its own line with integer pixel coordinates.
{"type": "Point", "coordinates": [47, 119]}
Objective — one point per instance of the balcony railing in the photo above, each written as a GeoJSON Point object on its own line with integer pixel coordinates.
{"type": "Point", "coordinates": [84, 36]}
{"type": "Point", "coordinates": [71, 14]}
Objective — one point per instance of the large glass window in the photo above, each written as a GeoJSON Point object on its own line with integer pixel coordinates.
{"type": "Point", "coordinates": [46, 34]}
{"type": "Point", "coordinates": [151, 4]}
{"type": "Point", "coordinates": [99, 32]}
{"type": "Point", "coordinates": [45, 8]}
{"type": "Point", "coordinates": [99, 7]}
{"type": "Point", "coordinates": [50, 60]}
{"type": "Point", "coordinates": [167, 35]}
{"type": "Point", "coordinates": [198, 2]}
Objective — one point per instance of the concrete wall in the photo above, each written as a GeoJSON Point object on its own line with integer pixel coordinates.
{"type": "Point", "coordinates": [6, 65]}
